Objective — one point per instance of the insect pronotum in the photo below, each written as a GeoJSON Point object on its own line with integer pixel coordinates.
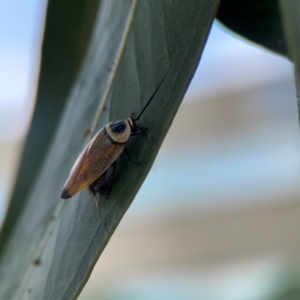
{"type": "Point", "coordinates": [101, 152]}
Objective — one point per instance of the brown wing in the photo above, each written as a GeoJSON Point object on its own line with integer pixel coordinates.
{"type": "Point", "coordinates": [94, 160]}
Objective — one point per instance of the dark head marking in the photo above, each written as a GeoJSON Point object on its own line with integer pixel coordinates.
{"type": "Point", "coordinates": [118, 127]}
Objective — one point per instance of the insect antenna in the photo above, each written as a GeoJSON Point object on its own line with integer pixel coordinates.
{"type": "Point", "coordinates": [138, 117]}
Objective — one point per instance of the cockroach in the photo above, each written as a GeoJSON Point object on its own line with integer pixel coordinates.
{"type": "Point", "coordinates": [90, 168]}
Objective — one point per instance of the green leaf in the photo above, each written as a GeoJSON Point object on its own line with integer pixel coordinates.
{"type": "Point", "coordinates": [291, 14]}
{"type": "Point", "coordinates": [256, 20]}
{"type": "Point", "coordinates": [62, 54]}
{"type": "Point", "coordinates": [55, 244]}
{"type": "Point", "coordinates": [290, 11]}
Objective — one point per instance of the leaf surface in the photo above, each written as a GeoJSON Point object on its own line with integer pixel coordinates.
{"type": "Point", "coordinates": [290, 12]}
{"type": "Point", "coordinates": [55, 244]}
{"type": "Point", "coordinates": [62, 54]}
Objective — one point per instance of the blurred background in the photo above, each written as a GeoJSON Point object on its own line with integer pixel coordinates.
{"type": "Point", "coordinates": [217, 217]}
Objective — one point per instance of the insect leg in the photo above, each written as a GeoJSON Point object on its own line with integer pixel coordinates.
{"type": "Point", "coordinates": [96, 185]}
{"type": "Point", "coordinates": [129, 158]}
{"type": "Point", "coordinates": [112, 178]}
{"type": "Point", "coordinates": [91, 188]}
{"type": "Point", "coordinates": [140, 131]}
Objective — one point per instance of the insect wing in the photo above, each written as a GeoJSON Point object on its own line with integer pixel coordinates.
{"type": "Point", "coordinates": [94, 160]}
